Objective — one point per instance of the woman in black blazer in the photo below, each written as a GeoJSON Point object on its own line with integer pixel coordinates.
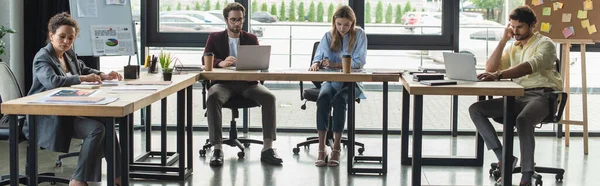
{"type": "Point", "coordinates": [56, 65]}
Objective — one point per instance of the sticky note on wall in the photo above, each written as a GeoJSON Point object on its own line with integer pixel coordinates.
{"type": "Point", "coordinates": [546, 11]}
{"type": "Point", "coordinates": [582, 14]}
{"type": "Point", "coordinates": [557, 5]}
{"type": "Point", "coordinates": [546, 27]}
{"type": "Point", "coordinates": [568, 32]}
{"type": "Point", "coordinates": [588, 5]}
{"type": "Point", "coordinates": [585, 23]}
{"type": "Point", "coordinates": [566, 17]}
{"type": "Point", "coordinates": [592, 29]}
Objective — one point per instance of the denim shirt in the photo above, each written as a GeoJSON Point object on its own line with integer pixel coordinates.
{"type": "Point", "coordinates": [359, 55]}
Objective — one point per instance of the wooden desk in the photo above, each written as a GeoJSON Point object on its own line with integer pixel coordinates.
{"type": "Point", "coordinates": [123, 108]}
{"type": "Point", "coordinates": [507, 89]}
{"type": "Point", "coordinates": [350, 79]}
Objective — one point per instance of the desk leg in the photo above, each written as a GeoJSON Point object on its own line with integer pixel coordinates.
{"type": "Point", "coordinates": [109, 144]}
{"type": "Point", "coordinates": [454, 116]}
{"type": "Point", "coordinates": [163, 132]}
{"type": "Point", "coordinates": [180, 132]}
{"type": "Point", "coordinates": [385, 127]}
{"type": "Point", "coordinates": [350, 146]}
{"type": "Point", "coordinates": [190, 116]}
{"type": "Point", "coordinates": [14, 149]}
{"type": "Point", "coordinates": [130, 135]}
{"type": "Point", "coordinates": [125, 127]}
{"type": "Point", "coordinates": [148, 126]}
{"type": "Point", "coordinates": [509, 124]}
{"type": "Point", "coordinates": [32, 159]}
{"type": "Point", "coordinates": [404, 159]}
{"type": "Point", "coordinates": [417, 140]}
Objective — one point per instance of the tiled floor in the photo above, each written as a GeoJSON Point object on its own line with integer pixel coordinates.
{"type": "Point", "coordinates": [300, 170]}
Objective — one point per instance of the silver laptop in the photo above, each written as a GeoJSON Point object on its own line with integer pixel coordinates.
{"type": "Point", "coordinates": [460, 66]}
{"type": "Point", "coordinates": [253, 57]}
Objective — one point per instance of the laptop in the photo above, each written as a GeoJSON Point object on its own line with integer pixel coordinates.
{"type": "Point", "coordinates": [253, 57]}
{"type": "Point", "coordinates": [460, 66]}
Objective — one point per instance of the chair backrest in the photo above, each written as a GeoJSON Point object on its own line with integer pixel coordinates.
{"type": "Point", "coordinates": [10, 87]}
{"type": "Point", "coordinates": [558, 100]}
{"type": "Point", "coordinates": [10, 90]}
{"type": "Point", "coordinates": [312, 56]}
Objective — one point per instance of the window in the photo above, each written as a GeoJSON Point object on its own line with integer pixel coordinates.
{"type": "Point", "coordinates": [191, 16]}
{"type": "Point", "coordinates": [403, 17]}
{"type": "Point", "coordinates": [409, 24]}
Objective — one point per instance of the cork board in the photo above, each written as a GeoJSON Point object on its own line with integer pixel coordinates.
{"type": "Point", "coordinates": [554, 21]}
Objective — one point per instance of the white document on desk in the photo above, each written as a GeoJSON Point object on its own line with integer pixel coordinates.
{"type": "Point", "coordinates": [135, 88]}
{"type": "Point", "coordinates": [104, 83]}
{"type": "Point", "coordinates": [105, 101]}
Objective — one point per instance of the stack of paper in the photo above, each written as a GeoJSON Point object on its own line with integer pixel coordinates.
{"type": "Point", "coordinates": [135, 88]}
{"type": "Point", "coordinates": [104, 83]}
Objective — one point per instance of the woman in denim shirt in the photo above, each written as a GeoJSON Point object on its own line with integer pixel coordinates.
{"type": "Point", "coordinates": [343, 39]}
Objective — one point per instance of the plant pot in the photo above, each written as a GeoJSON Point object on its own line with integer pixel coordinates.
{"type": "Point", "coordinates": [167, 76]}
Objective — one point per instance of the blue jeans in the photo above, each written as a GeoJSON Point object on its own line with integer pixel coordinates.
{"type": "Point", "coordinates": [329, 97]}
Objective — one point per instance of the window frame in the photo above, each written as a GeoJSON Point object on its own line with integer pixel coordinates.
{"type": "Point", "coordinates": [448, 40]}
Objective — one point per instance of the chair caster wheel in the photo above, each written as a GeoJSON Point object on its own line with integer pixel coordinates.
{"type": "Point", "coordinates": [58, 163]}
{"type": "Point", "coordinates": [246, 145]}
{"type": "Point", "coordinates": [303, 107]}
{"type": "Point", "coordinates": [241, 155]}
{"type": "Point", "coordinates": [361, 150]}
{"type": "Point", "coordinates": [538, 182]}
{"type": "Point", "coordinates": [296, 150]}
{"type": "Point", "coordinates": [491, 171]}
{"type": "Point", "coordinates": [558, 177]}
{"type": "Point", "coordinates": [202, 152]}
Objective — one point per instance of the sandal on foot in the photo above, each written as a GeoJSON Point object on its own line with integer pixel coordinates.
{"type": "Point", "coordinates": [335, 158]}
{"type": "Point", "coordinates": [321, 162]}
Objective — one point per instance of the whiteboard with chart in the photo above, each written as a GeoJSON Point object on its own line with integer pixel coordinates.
{"type": "Point", "coordinates": [106, 28]}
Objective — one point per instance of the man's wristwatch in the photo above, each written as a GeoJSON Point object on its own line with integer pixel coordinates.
{"type": "Point", "coordinates": [499, 76]}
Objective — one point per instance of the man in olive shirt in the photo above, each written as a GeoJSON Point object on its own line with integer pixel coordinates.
{"type": "Point", "coordinates": [530, 61]}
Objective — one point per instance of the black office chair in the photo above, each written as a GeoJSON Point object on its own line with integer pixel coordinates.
{"type": "Point", "coordinates": [311, 94]}
{"type": "Point", "coordinates": [11, 90]}
{"type": "Point", "coordinates": [558, 100]}
{"type": "Point", "coordinates": [234, 103]}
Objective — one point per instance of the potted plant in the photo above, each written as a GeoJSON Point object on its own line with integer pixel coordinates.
{"type": "Point", "coordinates": [165, 59]}
{"type": "Point", "coordinates": [3, 31]}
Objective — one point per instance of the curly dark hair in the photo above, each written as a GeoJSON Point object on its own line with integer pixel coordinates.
{"type": "Point", "coordinates": [235, 7]}
{"type": "Point", "coordinates": [62, 19]}
{"type": "Point", "coordinates": [523, 14]}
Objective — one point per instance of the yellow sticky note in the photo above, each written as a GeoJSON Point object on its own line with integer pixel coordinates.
{"type": "Point", "coordinates": [588, 5]}
{"type": "Point", "coordinates": [592, 29]}
{"type": "Point", "coordinates": [545, 27]}
{"type": "Point", "coordinates": [566, 17]}
{"type": "Point", "coordinates": [557, 5]}
{"type": "Point", "coordinates": [585, 23]}
{"type": "Point", "coordinates": [547, 11]}
{"type": "Point", "coordinates": [582, 14]}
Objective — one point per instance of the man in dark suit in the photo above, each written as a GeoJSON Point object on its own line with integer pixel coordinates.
{"type": "Point", "coordinates": [224, 46]}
